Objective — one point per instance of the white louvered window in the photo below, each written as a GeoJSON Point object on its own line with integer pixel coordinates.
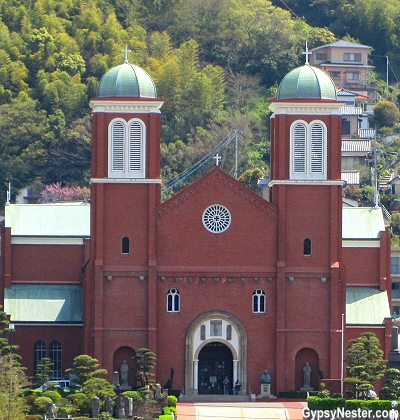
{"type": "Point", "coordinates": [135, 146]}
{"type": "Point", "coordinates": [299, 149]}
{"type": "Point", "coordinates": [317, 149]}
{"type": "Point", "coordinates": [117, 146]}
{"type": "Point", "coordinates": [127, 147]}
{"type": "Point", "coordinates": [308, 150]}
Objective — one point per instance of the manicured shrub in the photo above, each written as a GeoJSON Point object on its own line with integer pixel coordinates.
{"type": "Point", "coordinates": [165, 417]}
{"type": "Point", "coordinates": [135, 395]}
{"type": "Point", "coordinates": [317, 403]}
{"type": "Point", "coordinates": [167, 410]}
{"type": "Point", "coordinates": [172, 401]}
{"type": "Point", "coordinates": [54, 395]}
{"type": "Point", "coordinates": [41, 404]}
{"type": "Point", "coordinates": [373, 405]}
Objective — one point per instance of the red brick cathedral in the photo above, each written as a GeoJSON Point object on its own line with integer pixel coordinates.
{"type": "Point", "coordinates": [217, 281]}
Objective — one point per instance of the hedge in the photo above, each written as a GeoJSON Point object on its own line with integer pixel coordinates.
{"type": "Point", "coordinates": [165, 417]}
{"type": "Point", "coordinates": [167, 410]}
{"type": "Point", "coordinates": [172, 401]}
{"type": "Point", "coordinates": [296, 394]}
{"type": "Point", "coordinates": [317, 403]}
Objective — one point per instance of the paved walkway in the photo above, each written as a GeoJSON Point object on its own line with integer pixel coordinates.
{"type": "Point", "coordinates": [241, 411]}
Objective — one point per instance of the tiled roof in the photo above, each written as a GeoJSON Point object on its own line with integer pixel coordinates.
{"type": "Point", "coordinates": [351, 177]}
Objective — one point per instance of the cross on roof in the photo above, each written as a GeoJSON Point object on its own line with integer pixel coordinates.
{"type": "Point", "coordinates": [217, 159]}
{"type": "Point", "coordinates": [126, 51]}
{"type": "Point", "coordinates": [307, 53]}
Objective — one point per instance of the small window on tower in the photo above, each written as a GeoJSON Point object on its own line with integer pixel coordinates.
{"type": "Point", "coordinates": [307, 247]}
{"type": "Point", "coordinates": [173, 300]}
{"type": "Point", "coordinates": [125, 245]}
{"type": "Point", "coordinates": [259, 301]}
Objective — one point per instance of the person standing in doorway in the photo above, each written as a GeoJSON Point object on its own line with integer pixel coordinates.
{"type": "Point", "coordinates": [237, 386]}
{"type": "Point", "coordinates": [226, 383]}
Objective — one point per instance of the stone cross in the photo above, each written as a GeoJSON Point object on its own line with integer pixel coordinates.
{"type": "Point", "coordinates": [126, 51]}
{"type": "Point", "coordinates": [217, 159]}
{"type": "Point", "coordinates": [307, 53]}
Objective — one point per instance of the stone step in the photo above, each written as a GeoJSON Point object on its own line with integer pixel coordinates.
{"type": "Point", "coordinates": [214, 398]}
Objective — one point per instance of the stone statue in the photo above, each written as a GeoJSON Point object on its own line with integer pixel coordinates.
{"type": "Point", "coordinates": [158, 392]}
{"type": "Point", "coordinates": [265, 378]}
{"type": "Point", "coordinates": [50, 414]}
{"type": "Point", "coordinates": [109, 405]}
{"type": "Point", "coordinates": [124, 374]}
{"type": "Point", "coordinates": [95, 407]}
{"type": "Point", "coordinates": [307, 374]}
{"type": "Point", "coordinates": [121, 407]}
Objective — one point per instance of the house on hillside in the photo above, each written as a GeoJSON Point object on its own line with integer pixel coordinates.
{"type": "Point", "coordinates": [347, 64]}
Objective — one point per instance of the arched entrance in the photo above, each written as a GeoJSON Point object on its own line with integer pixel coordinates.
{"type": "Point", "coordinates": [215, 362]}
{"type": "Point", "coordinates": [216, 346]}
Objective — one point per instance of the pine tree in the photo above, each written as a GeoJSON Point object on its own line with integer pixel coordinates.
{"type": "Point", "coordinates": [365, 365]}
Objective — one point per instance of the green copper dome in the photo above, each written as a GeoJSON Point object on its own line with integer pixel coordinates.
{"type": "Point", "coordinates": [307, 82]}
{"type": "Point", "coordinates": [127, 80]}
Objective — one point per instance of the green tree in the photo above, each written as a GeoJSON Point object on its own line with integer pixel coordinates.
{"type": "Point", "coordinates": [395, 222]}
{"type": "Point", "coordinates": [386, 113]}
{"type": "Point", "coordinates": [84, 368]}
{"type": "Point", "coordinates": [44, 370]}
{"type": "Point", "coordinates": [391, 389]}
{"type": "Point", "coordinates": [12, 378]}
{"type": "Point", "coordinates": [364, 364]}
{"type": "Point", "coordinates": [145, 361]}
{"type": "Point", "coordinates": [99, 387]}
{"type": "Point", "coordinates": [250, 177]}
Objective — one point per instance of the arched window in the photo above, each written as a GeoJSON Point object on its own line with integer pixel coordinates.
{"type": "Point", "coordinates": [173, 300]}
{"type": "Point", "coordinates": [259, 301]}
{"type": "Point", "coordinates": [55, 354]}
{"type": "Point", "coordinates": [307, 247]}
{"type": "Point", "coordinates": [39, 351]}
{"type": "Point", "coordinates": [127, 148]}
{"type": "Point", "coordinates": [308, 151]}
{"type": "Point", "coordinates": [125, 245]}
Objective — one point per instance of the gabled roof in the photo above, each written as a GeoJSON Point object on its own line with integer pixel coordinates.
{"type": "Point", "coordinates": [342, 44]}
{"type": "Point", "coordinates": [209, 180]}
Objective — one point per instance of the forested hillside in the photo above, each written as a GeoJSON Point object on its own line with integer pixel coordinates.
{"type": "Point", "coordinates": [215, 62]}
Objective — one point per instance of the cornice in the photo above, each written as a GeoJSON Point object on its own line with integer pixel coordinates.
{"type": "Point", "coordinates": [126, 181]}
{"type": "Point", "coordinates": [109, 106]}
{"type": "Point", "coordinates": [296, 108]}
{"type": "Point", "coordinates": [304, 182]}
{"type": "Point", "coordinates": [206, 182]}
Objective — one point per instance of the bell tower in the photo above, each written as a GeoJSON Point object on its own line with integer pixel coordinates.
{"type": "Point", "coordinates": [306, 187]}
{"type": "Point", "coordinates": [125, 190]}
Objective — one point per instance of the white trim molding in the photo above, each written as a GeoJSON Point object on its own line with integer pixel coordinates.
{"type": "Point", "coordinates": [359, 243]}
{"type": "Point", "coordinates": [301, 108]}
{"type": "Point", "coordinates": [126, 181]}
{"type": "Point", "coordinates": [304, 182]}
{"type": "Point", "coordinates": [128, 107]}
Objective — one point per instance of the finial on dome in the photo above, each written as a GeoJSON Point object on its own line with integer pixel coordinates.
{"type": "Point", "coordinates": [126, 51]}
{"type": "Point", "coordinates": [307, 53]}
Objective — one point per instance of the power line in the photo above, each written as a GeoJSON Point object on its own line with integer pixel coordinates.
{"type": "Point", "coordinates": [224, 143]}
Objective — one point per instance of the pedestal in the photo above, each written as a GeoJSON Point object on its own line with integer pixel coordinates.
{"type": "Point", "coordinates": [265, 391]}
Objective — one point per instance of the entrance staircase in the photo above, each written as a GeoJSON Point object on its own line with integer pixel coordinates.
{"type": "Point", "coordinates": [214, 398]}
